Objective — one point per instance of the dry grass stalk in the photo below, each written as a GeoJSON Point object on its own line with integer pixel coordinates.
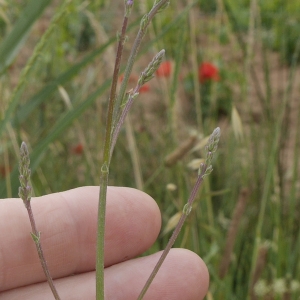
{"type": "Point", "coordinates": [134, 155]}
{"type": "Point", "coordinates": [260, 265]}
{"type": "Point", "coordinates": [237, 124]}
{"type": "Point", "coordinates": [180, 151]}
{"type": "Point", "coordinates": [80, 132]}
{"type": "Point", "coordinates": [172, 222]}
{"type": "Point", "coordinates": [231, 235]}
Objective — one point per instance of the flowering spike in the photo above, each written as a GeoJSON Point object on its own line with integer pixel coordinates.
{"type": "Point", "coordinates": [147, 74]}
{"type": "Point", "coordinates": [144, 22]}
{"type": "Point", "coordinates": [128, 7]}
{"type": "Point", "coordinates": [163, 6]}
{"type": "Point", "coordinates": [25, 188]}
{"type": "Point", "coordinates": [214, 140]}
{"type": "Point", "coordinates": [208, 170]}
{"type": "Point", "coordinates": [212, 145]}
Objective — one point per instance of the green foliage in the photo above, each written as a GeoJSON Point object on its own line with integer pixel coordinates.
{"type": "Point", "coordinates": [10, 47]}
{"type": "Point", "coordinates": [208, 6]}
{"type": "Point", "coordinates": [261, 85]}
{"type": "Point", "coordinates": [279, 20]}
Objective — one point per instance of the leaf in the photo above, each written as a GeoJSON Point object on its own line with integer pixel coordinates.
{"type": "Point", "coordinates": [172, 222]}
{"type": "Point", "coordinates": [59, 127]}
{"type": "Point", "coordinates": [16, 95]}
{"type": "Point", "coordinates": [25, 110]}
{"type": "Point", "coordinates": [13, 42]}
{"type": "Point", "coordinates": [237, 124]}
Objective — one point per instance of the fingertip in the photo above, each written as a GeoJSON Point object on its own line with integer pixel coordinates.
{"type": "Point", "coordinates": [136, 223]}
{"type": "Point", "coordinates": [196, 273]}
{"type": "Point", "coordinates": [68, 223]}
{"type": "Point", "coordinates": [183, 275]}
{"type": "Point", "coordinates": [190, 275]}
{"type": "Point", "coordinates": [141, 203]}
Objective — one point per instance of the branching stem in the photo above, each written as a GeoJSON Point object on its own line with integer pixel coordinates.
{"type": "Point", "coordinates": [36, 238]}
{"type": "Point", "coordinates": [25, 190]}
{"type": "Point", "coordinates": [114, 108]}
{"type": "Point", "coordinates": [204, 170]}
{"type": "Point", "coordinates": [105, 168]}
{"type": "Point", "coordinates": [173, 237]}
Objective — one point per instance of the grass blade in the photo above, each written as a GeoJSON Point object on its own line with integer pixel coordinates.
{"type": "Point", "coordinates": [13, 42]}
{"type": "Point", "coordinates": [59, 127]}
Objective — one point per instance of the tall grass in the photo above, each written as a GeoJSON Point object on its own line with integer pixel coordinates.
{"type": "Point", "coordinates": [257, 57]}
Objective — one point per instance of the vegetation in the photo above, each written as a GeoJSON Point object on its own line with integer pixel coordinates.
{"type": "Point", "coordinates": [229, 64]}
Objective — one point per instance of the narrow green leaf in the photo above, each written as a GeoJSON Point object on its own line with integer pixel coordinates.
{"type": "Point", "coordinates": [16, 95]}
{"type": "Point", "coordinates": [59, 127]}
{"type": "Point", "coordinates": [24, 111]}
{"type": "Point", "coordinates": [67, 119]}
{"type": "Point", "coordinates": [13, 42]}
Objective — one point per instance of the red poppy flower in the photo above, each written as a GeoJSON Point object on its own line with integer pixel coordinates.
{"type": "Point", "coordinates": [78, 149]}
{"type": "Point", "coordinates": [4, 172]}
{"type": "Point", "coordinates": [208, 71]}
{"type": "Point", "coordinates": [144, 88]}
{"type": "Point", "coordinates": [132, 78]}
{"type": "Point", "coordinates": [164, 69]}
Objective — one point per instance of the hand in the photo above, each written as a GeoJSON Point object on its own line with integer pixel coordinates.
{"type": "Point", "coordinates": [67, 222]}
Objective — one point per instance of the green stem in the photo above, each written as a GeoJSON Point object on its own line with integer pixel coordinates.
{"type": "Point", "coordinates": [121, 119]}
{"type": "Point", "coordinates": [204, 170]}
{"type": "Point", "coordinates": [36, 238]}
{"type": "Point", "coordinates": [100, 233]}
{"type": "Point", "coordinates": [29, 67]}
{"type": "Point", "coordinates": [105, 168]}
{"type": "Point", "coordinates": [112, 97]}
{"type": "Point", "coordinates": [186, 211]}
{"type": "Point", "coordinates": [114, 107]}
{"type": "Point", "coordinates": [25, 191]}
{"type": "Point", "coordinates": [136, 45]}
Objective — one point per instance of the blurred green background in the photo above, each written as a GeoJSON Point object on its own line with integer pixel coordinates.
{"type": "Point", "coordinates": [232, 64]}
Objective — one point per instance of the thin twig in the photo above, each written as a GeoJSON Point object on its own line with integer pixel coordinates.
{"type": "Point", "coordinates": [232, 232]}
{"type": "Point", "coordinates": [134, 154]}
{"type": "Point", "coordinates": [172, 239]}
{"type": "Point", "coordinates": [147, 18]}
{"type": "Point", "coordinates": [114, 108]}
{"type": "Point", "coordinates": [145, 76]}
{"type": "Point", "coordinates": [25, 194]}
{"type": "Point", "coordinates": [106, 159]}
{"type": "Point", "coordinates": [204, 170]}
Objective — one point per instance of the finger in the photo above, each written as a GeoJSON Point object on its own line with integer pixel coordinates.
{"type": "Point", "coordinates": [67, 222]}
{"type": "Point", "coordinates": [182, 276]}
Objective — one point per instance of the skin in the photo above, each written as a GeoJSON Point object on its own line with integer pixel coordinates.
{"type": "Point", "coordinates": [67, 222]}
